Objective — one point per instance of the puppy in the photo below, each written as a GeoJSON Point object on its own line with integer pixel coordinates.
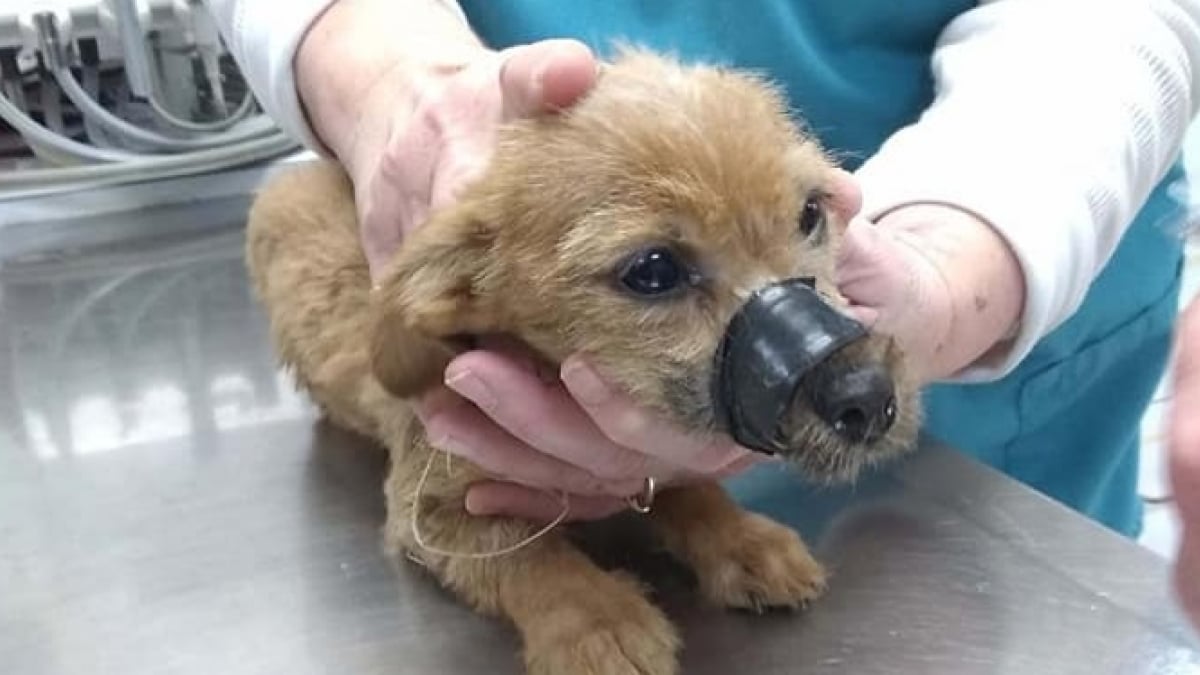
{"type": "Point", "coordinates": [673, 227]}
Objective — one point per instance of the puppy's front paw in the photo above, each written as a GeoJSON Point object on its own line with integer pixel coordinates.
{"type": "Point", "coordinates": [618, 634]}
{"type": "Point", "coordinates": [758, 564]}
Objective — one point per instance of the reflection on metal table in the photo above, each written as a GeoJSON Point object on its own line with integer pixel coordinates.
{"type": "Point", "coordinates": [169, 504]}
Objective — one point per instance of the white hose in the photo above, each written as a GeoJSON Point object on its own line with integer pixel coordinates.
{"type": "Point", "coordinates": [32, 182]}
{"type": "Point", "coordinates": [144, 137]}
{"type": "Point", "coordinates": [212, 72]}
{"type": "Point", "coordinates": [137, 65]}
{"type": "Point", "coordinates": [58, 149]}
{"type": "Point", "coordinates": [255, 141]}
{"type": "Point", "coordinates": [240, 113]}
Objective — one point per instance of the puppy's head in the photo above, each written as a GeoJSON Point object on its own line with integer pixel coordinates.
{"type": "Point", "coordinates": [674, 226]}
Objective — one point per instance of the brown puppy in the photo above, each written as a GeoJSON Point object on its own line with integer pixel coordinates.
{"type": "Point", "coordinates": [635, 228]}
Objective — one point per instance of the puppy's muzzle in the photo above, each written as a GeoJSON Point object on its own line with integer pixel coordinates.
{"type": "Point", "coordinates": [776, 355]}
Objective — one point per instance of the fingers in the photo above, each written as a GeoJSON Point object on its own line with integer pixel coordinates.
{"type": "Point", "coordinates": [455, 426]}
{"type": "Point", "coordinates": [536, 78]}
{"type": "Point", "coordinates": [492, 498]}
{"type": "Point", "coordinates": [525, 429]}
{"type": "Point", "coordinates": [446, 141]}
{"type": "Point", "coordinates": [630, 426]}
{"type": "Point", "coordinates": [542, 415]}
{"type": "Point", "coordinates": [861, 253]}
{"type": "Point", "coordinates": [394, 198]}
{"type": "Point", "coordinates": [845, 196]}
{"type": "Point", "coordinates": [869, 275]}
{"type": "Point", "coordinates": [545, 76]}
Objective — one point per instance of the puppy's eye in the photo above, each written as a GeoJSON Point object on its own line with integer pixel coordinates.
{"type": "Point", "coordinates": [812, 216]}
{"type": "Point", "coordinates": [654, 272]}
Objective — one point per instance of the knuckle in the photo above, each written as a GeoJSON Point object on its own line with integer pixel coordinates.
{"type": "Point", "coordinates": [434, 99]}
{"type": "Point", "coordinates": [628, 427]}
{"type": "Point", "coordinates": [397, 163]}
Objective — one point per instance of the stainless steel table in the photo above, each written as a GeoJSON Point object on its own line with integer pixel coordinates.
{"type": "Point", "coordinates": [168, 504]}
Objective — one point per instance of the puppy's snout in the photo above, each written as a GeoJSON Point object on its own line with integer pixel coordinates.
{"type": "Point", "coordinates": [773, 342]}
{"type": "Point", "coordinates": [858, 402]}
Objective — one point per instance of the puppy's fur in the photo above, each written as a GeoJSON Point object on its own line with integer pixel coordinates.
{"type": "Point", "coordinates": [701, 160]}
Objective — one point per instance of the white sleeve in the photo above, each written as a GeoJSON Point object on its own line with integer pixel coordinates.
{"type": "Point", "coordinates": [263, 36]}
{"type": "Point", "coordinates": [1053, 120]}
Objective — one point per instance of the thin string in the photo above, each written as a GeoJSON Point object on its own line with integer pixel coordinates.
{"type": "Point", "coordinates": [414, 522]}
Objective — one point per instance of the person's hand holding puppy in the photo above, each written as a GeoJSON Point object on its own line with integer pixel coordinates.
{"type": "Point", "coordinates": [938, 279]}
{"type": "Point", "coordinates": [574, 435]}
{"type": "Point", "coordinates": [408, 100]}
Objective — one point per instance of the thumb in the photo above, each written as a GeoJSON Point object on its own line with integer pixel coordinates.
{"type": "Point", "coordinates": [863, 255]}
{"type": "Point", "coordinates": [545, 76]}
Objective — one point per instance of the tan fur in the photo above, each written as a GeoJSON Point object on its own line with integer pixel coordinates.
{"type": "Point", "coordinates": [696, 157]}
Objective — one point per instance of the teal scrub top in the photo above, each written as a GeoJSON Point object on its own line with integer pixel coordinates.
{"type": "Point", "coordinates": [1066, 421]}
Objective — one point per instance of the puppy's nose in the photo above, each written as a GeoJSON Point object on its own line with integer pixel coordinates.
{"type": "Point", "coordinates": [858, 402]}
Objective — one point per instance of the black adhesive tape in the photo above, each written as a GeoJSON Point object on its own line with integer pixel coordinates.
{"type": "Point", "coordinates": [772, 342]}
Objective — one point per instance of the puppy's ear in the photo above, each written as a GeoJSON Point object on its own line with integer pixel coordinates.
{"type": "Point", "coordinates": [427, 302]}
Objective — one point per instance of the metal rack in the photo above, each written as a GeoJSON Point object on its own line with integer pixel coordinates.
{"type": "Point", "coordinates": [112, 92]}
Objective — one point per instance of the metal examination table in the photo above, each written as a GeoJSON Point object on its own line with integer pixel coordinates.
{"type": "Point", "coordinates": [168, 504]}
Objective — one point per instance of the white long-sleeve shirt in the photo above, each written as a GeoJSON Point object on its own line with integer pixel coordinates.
{"type": "Point", "coordinates": [1109, 88]}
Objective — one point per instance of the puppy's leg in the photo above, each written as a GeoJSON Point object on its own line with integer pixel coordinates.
{"type": "Point", "coordinates": [742, 559]}
{"type": "Point", "coordinates": [574, 618]}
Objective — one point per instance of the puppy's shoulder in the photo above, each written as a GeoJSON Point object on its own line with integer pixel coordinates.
{"type": "Point", "coordinates": [302, 222]}
{"type": "Point", "coordinates": [315, 193]}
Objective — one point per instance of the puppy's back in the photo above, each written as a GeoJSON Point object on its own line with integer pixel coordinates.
{"type": "Point", "coordinates": [307, 211]}
{"type": "Point", "coordinates": [307, 266]}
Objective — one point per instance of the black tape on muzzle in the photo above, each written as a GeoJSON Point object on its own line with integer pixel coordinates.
{"type": "Point", "coordinates": [773, 341]}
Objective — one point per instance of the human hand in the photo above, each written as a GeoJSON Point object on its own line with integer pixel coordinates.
{"type": "Point", "coordinates": [413, 116]}
{"type": "Point", "coordinates": [1184, 450]}
{"type": "Point", "coordinates": [415, 149]}
{"type": "Point", "coordinates": [938, 279]}
{"type": "Point", "coordinates": [565, 432]}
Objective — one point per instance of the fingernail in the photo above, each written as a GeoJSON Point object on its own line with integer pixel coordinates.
{"type": "Point", "coordinates": [583, 383]}
{"type": "Point", "coordinates": [468, 385]}
{"type": "Point", "coordinates": [478, 506]}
